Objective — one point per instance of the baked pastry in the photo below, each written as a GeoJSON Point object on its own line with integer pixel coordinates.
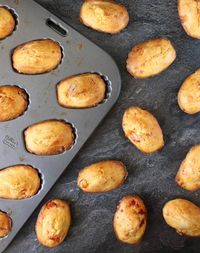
{"type": "Point", "coordinates": [7, 22]}
{"type": "Point", "coordinates": [37, 57]}
{"type": "Point", "coordinates": [104, 15]}
{"type": "Point", "coordinates": [49, 137]}
{"type": "Point", "coordinates": [150, 58]}
{"type": "Point", "coordinates": [183, 216]}
{"type": "Point", "coordinates": [13, 102]}
{"type": "Point", "coordinates": [189, 13]}
{"type": "Point", "coordinates": [81, 91]}
{"type": "Point", "coordinates": [19, 182]}
{"type": "Point", "coordinates": [130, 220]}
{"type": "Point", "coordinates": [53, 223]}
{"type": "Point", "coordinates": [189, 94]}
{"type": "Point", "coordinates": [5, 224]}
{"type": "Point", "coordinates": [102, 176]}
{"type": "Point", "coordinates": [188, 176]}
{"type": "Point", "coordinates": [142, 129]}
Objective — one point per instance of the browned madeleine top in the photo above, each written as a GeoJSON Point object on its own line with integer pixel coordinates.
{"type": "Point", "coordinates": [5, 224]}
{"type": "Point", "coordinates": [49, 137]}
{"type": "Point", "coordinates": [13, 102]}
{"type": "Point", "coordinates": [53, 222]}
{"type": "Point", "coordinates": [150, 58]}
{"type": "Point", "coordinates": [189, 13]}
{"type": "Point", "coordinates": [37, 57]}
{"type": "Point", "coordinates": [104, 16]}
{"type": "Point", "coordinates": [81, 91]}
{"type": "Point", "coordinates": [19, 182]}
{"type": "Point", "coordinates": [183, 215]}
{"type": "Point", "coordinates": [130, 219]}
{"type": "Point", "coordinates": [142, 129]}
{"type": "Point", "coordinates": [7, 22]}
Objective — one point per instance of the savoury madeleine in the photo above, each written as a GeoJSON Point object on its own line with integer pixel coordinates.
{"type": "Point", "coordinates": [37, 57]}
{"type": "Point", "coordinates": [142, 129]}
{"type": "Point", "coordinates": [188, 176]}
{"type": "Point", "coordinates": [81, 91]}
{"type": "Point", "coordinates": [150, 58]}
{"type": "Point", "coordinates": [102, 176]}
{"type": "Point", "coordinates": [189, 94]}
{"type": "Point", "coordinates": [53, 223]}
{"type": "Point", "coordinates": [105, 16]}
{"type": "Point", "coordinates": [49, 137]}
{"type": "Point", "coordinates": [189, 13]}
{"type": "Point", "coordinates": [183, 216]}
{"type": "Point", "coordinates": [5, 224]}
{"type": "Point", "coordinates": [19, 182]}
{"type": "Point", "coordinates": [13, 102]}
{"type": "Point", "coordinates": [7, 22]}
{"type": "Point", "coordinates": [130, 219]}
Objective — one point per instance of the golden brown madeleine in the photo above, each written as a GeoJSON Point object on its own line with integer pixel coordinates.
{"type": "Point", "coordinates": [19, 182]}
{"type": "Point", "coordinates": [150, 58]}
{"type": "Point", "coordinates": [189, 94]}
{"type": "Point", "coordinates": [5, 224]}
{"type": "Point", "coordinates": [81, 91]}
{"type": "Point", "coordinates": [130, 219]}
{"type": "Point", "coordinates": [13, 102]}
{"type": "Point", "coordinates": [142, 129]}
{"type": "Point", "coordinates": [188, 176]}
{"type": "Point", "coordinates": [36, 57]}
{"type": "Point", "coordinates": [189, 13]}
{"type": "Point", "coordinates": [7, 22]}
{"type": "Point", "coordinates": [104, 15]}
{"type": "Point", "coordinates": [49, 137]}
{"type": "Point", "coordinates": [182, 215]}
{"type": "Point", "coordinates": [102, 176]}
{"type": "Point", "coordinates": [53, 223]}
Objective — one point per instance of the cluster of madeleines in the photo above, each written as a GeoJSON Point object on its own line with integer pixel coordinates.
{"type": "Point", "coordinates": [87, 90]}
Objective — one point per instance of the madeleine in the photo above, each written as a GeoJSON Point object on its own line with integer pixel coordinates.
{"type": "Point", "coordinates": [7, 22]}
{"type": "Point", "coordinates": [104, 16]}
{"type": "Point", "coordinates": [37, 57]}
{"type": "Point", "coordinates": [150, 58]}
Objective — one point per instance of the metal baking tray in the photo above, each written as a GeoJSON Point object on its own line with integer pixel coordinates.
{"type": "Point", "coordinates": [79, 56]}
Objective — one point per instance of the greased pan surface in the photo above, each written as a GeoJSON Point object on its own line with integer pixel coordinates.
{"type": "Point", "coordinates": [79, 56]}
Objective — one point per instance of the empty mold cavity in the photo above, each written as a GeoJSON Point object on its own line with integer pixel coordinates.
{"type": "Point", "coordinates": [61, 137]}
{"type": "Point", "coordinates": [20, 66]}
{"type": "Point", "coordinates": [5, 224]}
{"type": "Point", "coordinates": [14, 102]}
{"type": "Point", "coordinates": [79, 99]}
{"type": "Point", "coordinates": [15, 17]}
{"type": "Point", "coordinates": [56, 27]}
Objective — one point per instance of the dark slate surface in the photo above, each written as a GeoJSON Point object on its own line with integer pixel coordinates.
{"type": "Point", "coordinates": [152, 176]}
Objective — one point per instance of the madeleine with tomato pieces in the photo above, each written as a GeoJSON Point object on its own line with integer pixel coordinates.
{"type": "Point", "coordinates": [183, 216]}
{"type": "Point", "coordinates": [13, 102]}
{"type": "Point", "coordinates": [81, 91]}
{"type": "Point", "coordinates": [19, 182]}
{"type": "Point", "coordinates": [37, 56]}
{"type": "Point", "coordinates": [189, 94]}
{"type": "Point", "coordinates": [5, 224]}
{"type": "Point", "coordinates": [53, 223]}
{"type": "Point", "coordinates": [7, 22]}
{"type": "Point", "coordinates": [105, 16]}
{"type": "Point", "coordinates": [142, 129]}
{"type": "Point", "coordinates": [188, 176]}
{"type": "Point", "coordinates": [189, 15]}
{"type": "Point", "coordinates": [150, 58]}
{"type": "Point", "coordinates": [49, 137]}
{"type": "Point", "coordinates": [130, 220]}
{"type": "Point", "coordinates": [102, 176]}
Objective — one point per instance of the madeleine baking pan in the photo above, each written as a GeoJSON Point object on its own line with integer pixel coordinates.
{"type": "Point", "coordinates": [79, 56]}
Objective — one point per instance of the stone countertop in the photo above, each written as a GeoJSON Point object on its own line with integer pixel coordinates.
{"type": "Point", "coordinates": [150, 176]}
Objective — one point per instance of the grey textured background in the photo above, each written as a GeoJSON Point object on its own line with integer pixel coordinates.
{"type": "Point", "coordinates": [152, 176]}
